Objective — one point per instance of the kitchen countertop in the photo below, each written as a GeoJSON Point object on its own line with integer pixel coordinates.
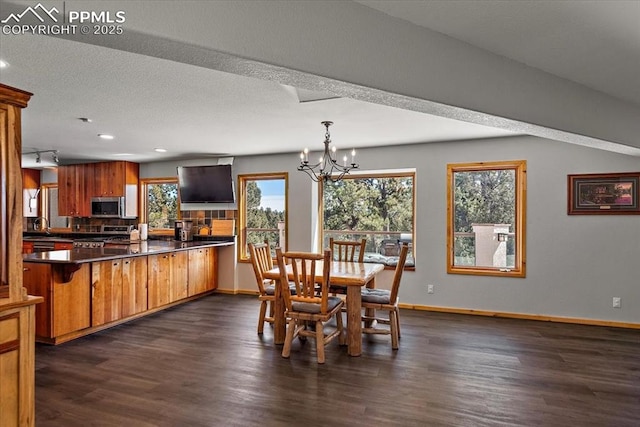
{"type": "Point", "coordinates": [147, 247]}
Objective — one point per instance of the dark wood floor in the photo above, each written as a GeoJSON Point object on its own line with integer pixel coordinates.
{"type": "Point", "coordinates": [202, 364]}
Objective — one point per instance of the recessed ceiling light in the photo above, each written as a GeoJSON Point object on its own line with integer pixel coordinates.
{"type": "Point", "coordinates": [85, 119]}
{"type": "Point", "coordinates": [160, 150]}
{"type": "Point", "coordinates": [3, 64]}
{"type": "Point", "coordinates": [105, 136]}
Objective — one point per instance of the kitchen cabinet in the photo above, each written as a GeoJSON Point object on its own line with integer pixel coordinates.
{"type": "Point", "coordinates": [202, 270]}
{"type": "Point", "coordinates": [75, 188]}
{"type": "Point", "coordinates": [66, 304]}
{"type": "Point", "coordinates": [167, 278]}
{"type": "Point", "coordinates": [118, 289]}
{"type": "Point", "coordinates": [77, 184]}
{"type": "Point", "coordinates": [116, 179]}
{"type": "Point", "coordinates": [27, 247]}
{"type": "Point", "coordinates": [106, 292]}
{"type": "Point", "coordinates": [134, 286]}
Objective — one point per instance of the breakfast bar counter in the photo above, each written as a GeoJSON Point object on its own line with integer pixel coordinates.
{"type": "Point", "coordinates": [106, 253]}
{"type": "Point", "coordinates": [86, 290]}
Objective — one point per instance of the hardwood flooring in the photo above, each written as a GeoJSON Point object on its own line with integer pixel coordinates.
{"type": "Point", "coordinates": [203, 364]}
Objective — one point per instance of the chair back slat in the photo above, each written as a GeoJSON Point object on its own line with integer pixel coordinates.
{"type": "Point", "coordinates": [261, 260]}
{"type": "Point", "coordinates": [346, 250]}
{"type": "Point", "coordinates": [397, 275]}
{"type": "Point", "coordinates": [303, 267]}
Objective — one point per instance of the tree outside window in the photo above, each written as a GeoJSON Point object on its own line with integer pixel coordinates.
{"type": "Point", "coordinates": [263, 213]}
{"type": "Point", "coordinates": [377, 207]}
{"type": "Point", "coordinates": [160, 203]}
{"type": "Point", "coordinates": [486, 218]}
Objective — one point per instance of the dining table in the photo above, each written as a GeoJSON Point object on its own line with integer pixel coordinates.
{"type": "Point", "coordinates": [352, 275]}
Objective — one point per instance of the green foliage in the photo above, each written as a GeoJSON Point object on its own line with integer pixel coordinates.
{"type": "Point", "coordinates": [261, 218]}
{"type": "Point", "coordinates": [162, 205]}
{"type": "Point", "coordinates": [482, 197]}
{"type": "Point", "coordinates": [369, 204]}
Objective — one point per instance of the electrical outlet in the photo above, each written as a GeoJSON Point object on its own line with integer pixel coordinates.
{"type": "Point", "coordinates": [616, 302]}
{"type": "Point", "coordinates": [429, 289]}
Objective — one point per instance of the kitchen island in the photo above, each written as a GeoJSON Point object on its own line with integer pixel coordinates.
{"type": "Point", "coordinates": [86, 290]}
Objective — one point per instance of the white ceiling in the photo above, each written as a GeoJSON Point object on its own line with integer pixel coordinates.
{"type": "Point", "coordinates": [195, 112]}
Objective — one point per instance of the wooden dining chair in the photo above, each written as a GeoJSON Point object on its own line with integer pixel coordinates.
{"type": "Point", "coordinates": [308, 306]}
{"type": "Point", "coordinates": [346, 250]}
{"type": "Point", "coordinates": [261, 260]}
{"type": "Point", "coordinates": [387, 300]}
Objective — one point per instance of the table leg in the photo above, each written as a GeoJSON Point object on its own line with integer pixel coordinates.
{"type": "Point", "coordinates": [279, 322]}
{"type": "Point", "coordinates": [354, 321]}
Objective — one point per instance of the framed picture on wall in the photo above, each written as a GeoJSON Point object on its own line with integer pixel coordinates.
{"type": "Point", "coordinates": [604, 194]}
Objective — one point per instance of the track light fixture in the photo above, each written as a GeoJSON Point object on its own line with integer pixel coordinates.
{"type": "Point", "coordinates": [38, 153]}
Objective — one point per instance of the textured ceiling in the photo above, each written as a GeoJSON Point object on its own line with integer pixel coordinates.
{"type": "Point", "coordinates": [196, 112]}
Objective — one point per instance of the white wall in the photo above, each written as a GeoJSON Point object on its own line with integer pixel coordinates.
{"type": "Point", "coordinates": [575, 264]}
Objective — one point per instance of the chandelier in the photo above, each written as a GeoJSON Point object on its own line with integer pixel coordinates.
{"type": "Point", "coordinates": [327, 168]}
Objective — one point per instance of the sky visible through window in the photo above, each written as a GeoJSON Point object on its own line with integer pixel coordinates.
{"type": "Point", "coordinates": [272, 194]}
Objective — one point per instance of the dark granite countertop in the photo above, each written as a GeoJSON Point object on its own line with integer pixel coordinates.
{"type": "Point", "coordinates": [148, 247]}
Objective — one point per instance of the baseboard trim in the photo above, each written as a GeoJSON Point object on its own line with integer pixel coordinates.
{"type": "Point", "coordinates": [538, 317]}
{"type": "Point", "coordinates": [237, 292]}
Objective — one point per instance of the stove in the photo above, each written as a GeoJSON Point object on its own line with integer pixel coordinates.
{"type": "Point", "coordinates": [93, 242]}
{"type": "Point", "coordinates": [113, 232]}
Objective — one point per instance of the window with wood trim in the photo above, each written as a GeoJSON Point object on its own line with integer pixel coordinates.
{"type": "Point", "coordinates": [486, 207]}
{"type": "Point", "coordinates": [160, 206]}
{"type": "Point", "coordinates": [379, 207]}
{"type": "Point", "coordinates": [262, 207]}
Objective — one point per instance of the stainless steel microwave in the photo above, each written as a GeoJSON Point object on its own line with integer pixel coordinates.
{"type": "Point", "coordinates": [112, 207]}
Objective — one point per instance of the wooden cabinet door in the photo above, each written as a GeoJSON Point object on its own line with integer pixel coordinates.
{"type": "Point", "coordinates": [75, 183]}
{"type": "Point", "coordinates": [134, 286]}
{"type": "Point", "coordinates": [27, 247]}
{"type": "Point", "coordinates": [66, 190]}
{"type": "Point", "coordinates": [179, 280]}
{"type": "Point", "coordinates": [71, 304]}
{"type": "Point", "coordinates": [109, 178]}
{"type": "Point", "coordinates": [158, 269]}
{"type": "Point", "coordinates": [106, 292]}
{"type": "Point", "coordinates": [38, 279]}
{"type": "Point", "coordinates": [198, 271]}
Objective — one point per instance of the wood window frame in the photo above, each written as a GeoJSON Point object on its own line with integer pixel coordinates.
{"type": "Point", "coordinates": [520, 168]}
{"type": "Point", "coordinates": [243, 255]}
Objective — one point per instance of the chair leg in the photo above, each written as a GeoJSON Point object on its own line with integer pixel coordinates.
{"type": "Point", "coordinates": [393, 324]}
{"type": "Point", "coordinates": [342, 338]}
{"type": "Point", "coordinates": [320, 342]}
{"type": "Point", "coordinates": [397, 310]}
{"type": "Point", "coordinates": [263, 312]}
{"type": "Point", "coordinates": [286, 349]}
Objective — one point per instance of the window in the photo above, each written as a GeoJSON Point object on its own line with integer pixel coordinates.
{"type": "Point", "coordinates": [263, 211]}
{"type": "Point", "coordinates": [486, 218]}
{"type": "Point", "coordinates": [377, 207]}
{"type": "Point", "coordinates": [160, 207]}
{"type": "Point", "coordinates": [50, 207]}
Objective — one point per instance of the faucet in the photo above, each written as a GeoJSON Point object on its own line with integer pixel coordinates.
{"type": "Point", "coordinates": [44, 226]}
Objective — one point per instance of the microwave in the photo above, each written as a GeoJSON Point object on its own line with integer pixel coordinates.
{"type": "Point", "coordinates": [112, 207]}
